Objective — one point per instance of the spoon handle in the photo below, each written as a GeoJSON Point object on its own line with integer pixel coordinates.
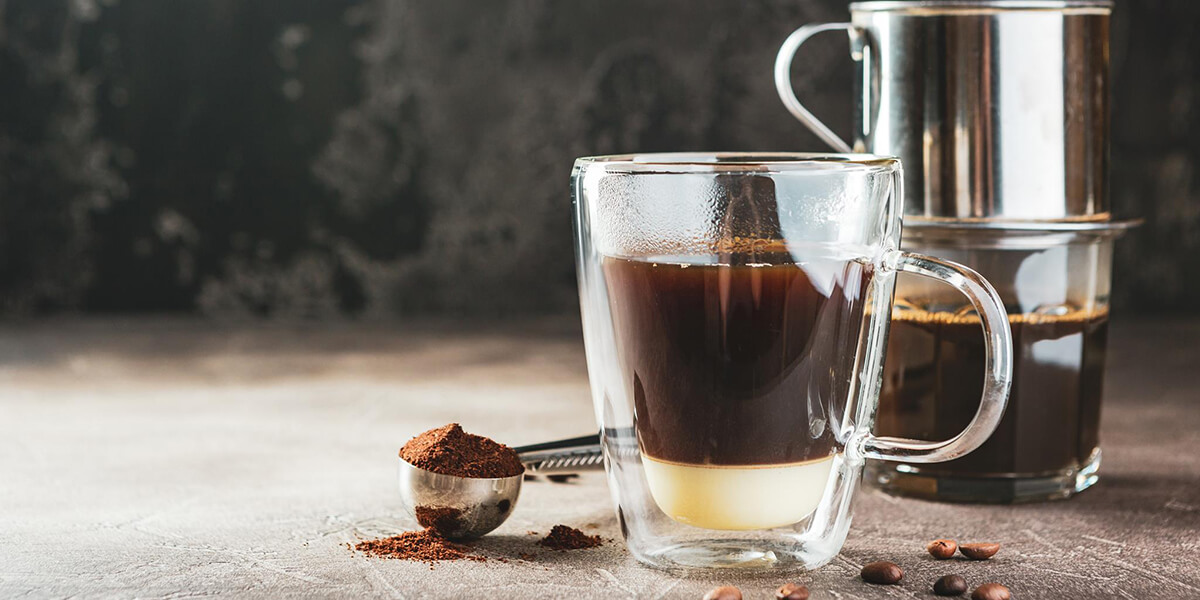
{"type": "Point", "coordinates": [563, 456]}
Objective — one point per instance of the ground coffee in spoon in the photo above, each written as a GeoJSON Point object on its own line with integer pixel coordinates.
{"type": "Point", "coordinates": [451, 451]}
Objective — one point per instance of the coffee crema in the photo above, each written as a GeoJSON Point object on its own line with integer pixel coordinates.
{"type": "Point", "coordinates": [933, 379]}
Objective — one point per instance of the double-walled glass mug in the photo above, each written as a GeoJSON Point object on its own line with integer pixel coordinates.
{"type": "Point", "coordinates": [735, 309]}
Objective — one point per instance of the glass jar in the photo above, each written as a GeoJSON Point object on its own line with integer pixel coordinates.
{"type": "Point", "coordinates": [1055, 281]}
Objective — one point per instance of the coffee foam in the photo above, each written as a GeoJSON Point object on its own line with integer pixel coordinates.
{"type": "Point", "coordinates": [743, 251]}
{"type": "Point", "coordinates": [924, 317]}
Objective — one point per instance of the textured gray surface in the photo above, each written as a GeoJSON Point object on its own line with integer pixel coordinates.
{"type": "Point", "coordinates": [168, 459]}
{"type": "Point", "coordinates": [395, 157]}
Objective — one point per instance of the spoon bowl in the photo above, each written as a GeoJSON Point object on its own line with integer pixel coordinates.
{"type": "Point", "coordinates": [459, 508]}
{"type": "Point", "coordinates": [463, 508]}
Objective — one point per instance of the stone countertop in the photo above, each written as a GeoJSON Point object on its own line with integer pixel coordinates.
{"type": "Point", "coordinates": [158, 458]}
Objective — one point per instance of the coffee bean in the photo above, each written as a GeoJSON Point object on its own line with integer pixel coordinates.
{"type": "Point", "coordinates": [950, 585]}
{"type": "Point", "coordinates": [991, 591]}
{"type": "Point", "coordinates": [982, 551]}
{"type": "Point", "coordinates": [725, 592]}
{"type": "Point", "coordinates": [792, 591]}
{"type": "Point", "coordinates": [942, 549]}
{"type": "Point", "coordinates": [882, 573]}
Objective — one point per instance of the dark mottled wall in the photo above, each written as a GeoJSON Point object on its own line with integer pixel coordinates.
{"type": "Point", "coordinates": [319, 157]}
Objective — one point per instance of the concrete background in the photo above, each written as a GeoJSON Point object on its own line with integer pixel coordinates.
{"type": "Point", "coordinates": [380, 158]}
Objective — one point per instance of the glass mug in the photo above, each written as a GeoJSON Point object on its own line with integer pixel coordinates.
{"type": "Point", "coordinates": [1056, 284]}
{"type": "Point", "coordinates": [735, 309]}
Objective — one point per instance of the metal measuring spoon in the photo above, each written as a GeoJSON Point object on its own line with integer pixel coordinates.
{"type": "Point", "coordinates": [465, 507]}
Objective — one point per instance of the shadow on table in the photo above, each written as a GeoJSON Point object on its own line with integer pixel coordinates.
{"type": "Point", "coordinates": [525, 548]}
{"type": "Point", "coordinates": [1129, 494]}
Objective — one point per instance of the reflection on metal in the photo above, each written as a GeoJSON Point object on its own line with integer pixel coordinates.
{"type": "Point", "coordinates": [996, 109]}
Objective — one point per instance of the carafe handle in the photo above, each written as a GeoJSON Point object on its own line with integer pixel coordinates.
{"type": "Point", "coordinates": [998, 365]}
{"type": "Point", "coordinates": [859, 51]}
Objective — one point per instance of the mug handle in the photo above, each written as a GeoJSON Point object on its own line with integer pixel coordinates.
{"type": "Point", "coordinates": [998, 351]}
{"type": "Point", "coordinates": [783, 76]}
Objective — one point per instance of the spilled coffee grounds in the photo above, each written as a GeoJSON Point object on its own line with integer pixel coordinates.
{"type": "Point", "coordinates": [451, 451]}
{"type": "Point", "coordinates": [562, 537]}
{"type": "Point", "coordinates": [426, 546]}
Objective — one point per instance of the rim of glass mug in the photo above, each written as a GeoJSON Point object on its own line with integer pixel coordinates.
{"type": "Point", "coordinates": [757, 162]}
{"type": "Point", "coordinates": [961, 7]}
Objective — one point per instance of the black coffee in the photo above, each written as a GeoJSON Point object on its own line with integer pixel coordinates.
{"type": "Point", "coordinates": [743, 364]}
{"type": "Point", "coordinates": [933, 377]}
